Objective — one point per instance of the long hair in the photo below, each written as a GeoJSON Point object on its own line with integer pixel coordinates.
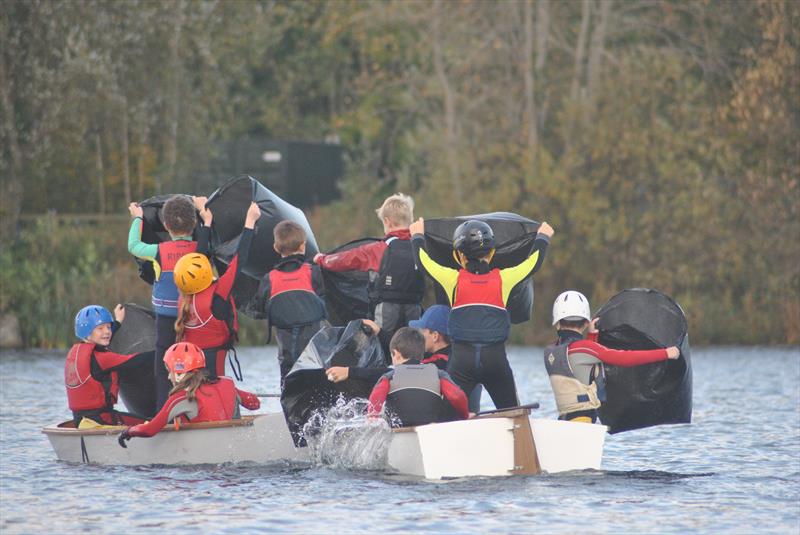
{"type": "Point", "coordinates": [184, 313]}
{"type": "Point", "coordinates": [191, 382]}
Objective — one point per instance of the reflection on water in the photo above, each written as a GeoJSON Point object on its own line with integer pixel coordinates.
{"type": "Point", "coordinates": [736, 468]}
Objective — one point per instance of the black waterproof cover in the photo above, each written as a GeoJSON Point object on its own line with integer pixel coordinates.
{"type": "Point", "coordinates": [137, 334]}
{"type": "Point", "coordinates": [346, 292]}
{"type": "Point", "coordinates": [513, 235]}
{"type": "Point", "coordinates": [229, 206]}
{"type": "Point", "coordinates": [652, 394]}
{"type": "Point", "coordinates": [307, 389]}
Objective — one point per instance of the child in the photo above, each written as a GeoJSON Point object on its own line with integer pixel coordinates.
{"type": "Point", "coordinates": [416, 393]}
{"type": "Point", "coordinates": [575, 365]}
{"type": "Point", "coordinates": [207, 314]}
{"type": "Point", "coordinates": [396, 285]}
{"type": "Point", "coordinates": [479, 322]}
{"type": "Point", "coordinates": [91, 370]}
{"type": "Point", "coordinates": [290, 295]}
{"type": "Point", "coordinates": [178, 215]}
{"type": "Point", "coordinates": [194, 396]}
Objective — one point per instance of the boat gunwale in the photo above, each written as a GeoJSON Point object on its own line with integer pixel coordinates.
{"type": "Point", "coordinates": [244, 421]}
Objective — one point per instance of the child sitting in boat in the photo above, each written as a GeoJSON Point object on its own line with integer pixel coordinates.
{"type": "Point", "coordinates": [290, 295]}
{"type": "Point", "coordinates": [575, 365]}
{"type": "Point", "coordinates": [180, 219]}
{"type": "Point", "coordinates": [195, 396]}
{"type": "Point", "coordinates": [206, 310]}
{"type": "Point", "coordinates": [416, 393]}
{"type": "Point", "coordinates": [91, 371]}
{"type": "Point", "coordinates": [396, 286]}
{"type": "Point", "coordinates": [479, 322]}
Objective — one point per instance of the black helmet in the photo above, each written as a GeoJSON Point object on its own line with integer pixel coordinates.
{"type": "Point", "coordinates": [473, 238]}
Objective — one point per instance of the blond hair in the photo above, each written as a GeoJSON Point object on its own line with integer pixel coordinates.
{"type": "Point", "coordinates": [190, 382]}
{"type": "Point", "coordinates": [184, 314]}
{"type": "Point", "coordinates": [398, 209]}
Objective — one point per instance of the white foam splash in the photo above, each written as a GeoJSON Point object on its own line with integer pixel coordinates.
{"type": "Point", "coordinates": [344, 438]}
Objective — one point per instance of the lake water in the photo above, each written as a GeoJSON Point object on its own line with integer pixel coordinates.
{"type": "Point", "coordinates": [735, 469]}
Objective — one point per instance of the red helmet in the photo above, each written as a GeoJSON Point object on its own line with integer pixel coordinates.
{"type": "Point", "coordinates": [184, 357]}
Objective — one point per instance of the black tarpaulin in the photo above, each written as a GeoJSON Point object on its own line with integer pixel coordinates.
{"type": "Point", "coordinates": [306, 387]}
{"type": "Point", "coordinates": [513, 235]}
{"type": "Point", "coordinates": [346, 295]}
{"type": "Point", "coordinates": [137, 334]}
{"type": "Point", "coordinates": [229, 206]}
{"type": "Point", "coordinates": [652, 394]}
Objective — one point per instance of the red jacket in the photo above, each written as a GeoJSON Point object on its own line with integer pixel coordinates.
{"type": "Point", "coordinates": [615, 357]}
{"type": "Point", "coordinates": [365, 258]}
{"type": "Point", "coordinates": [216, 402]}
{"type": "Point", "coordinates": [90, 377]}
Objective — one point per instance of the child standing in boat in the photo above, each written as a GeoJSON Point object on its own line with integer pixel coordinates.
{"type": "Point", "coordinates": [290, 295]}
{"type": "Point", "coordinates": [206, 311]}
{"type": "Point", "coordinates": [195, 396]}
{"type": "Point", "coordinates": [179, 218]}
{"type": "Point", "coordinates": [91, 371]}
{"type": "Point", "coordinates": [396, 286]}
{"type": "Point", "coordinates": [575, 365]}
{"type": "Point", "coordinates": [479, 322]}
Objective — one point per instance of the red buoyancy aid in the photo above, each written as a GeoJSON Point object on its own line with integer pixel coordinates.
{"type": "Point", "coordinates": [216, 401]}
{"type": "Point", "coordinates": [165, 293]}
{"type": "Point", "coordinates": [479, 289]}
{"type": "Point", "coordinates": [285, 281]}
{"type": "Point", "coordinates": [84, 392]}
{"type": "Point", "coordinates": [479, 315]}
{"type": "Point", "coordinates": [202, 328]}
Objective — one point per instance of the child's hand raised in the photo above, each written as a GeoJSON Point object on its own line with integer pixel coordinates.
{"type": "Point", "coordinates": [205, 214]}
{"type": "Point", "coordinates": [119, 313]}
{"type": "Point", "coordinates": [253, 213]}
{"type": "Point", "coordinates": [417, 227]}
{"type": "Point", "coordinates": [135, 210]}
{"type": "Point", "coordinates": [546, 229]}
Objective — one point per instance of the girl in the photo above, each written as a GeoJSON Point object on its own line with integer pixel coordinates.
{"type": "Point", "coordinates": [206, 310]}
{"type": "Point", "coordinates": [195, 397]}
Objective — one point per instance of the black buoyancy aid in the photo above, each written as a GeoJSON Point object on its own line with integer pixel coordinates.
{"type": "Point", "coordinates": [398, 279]}
{"type": "Point", "coordinates": [415, 395]}
{"type": "Point", "coordinates": [84, 392]}
{"type": "Point", "coordinates": [570, 393]}
{"type": "Point", "coordinates": [292, 300]}
{"type": "Point", "coordinates": [165, 293]}
{"type": "Point", "coordinates": [479, 315]}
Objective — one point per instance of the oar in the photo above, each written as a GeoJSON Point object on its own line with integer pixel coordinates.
{"type": "Point", "coordinates": [494, 411]}
{"type": "Point", "coordinates": [264, 395]}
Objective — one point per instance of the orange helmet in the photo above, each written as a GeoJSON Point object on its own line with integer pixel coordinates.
{"type": "Point", "coordinates": [184, 357]}
{"type": "Point", "coordinates": [192, 273]}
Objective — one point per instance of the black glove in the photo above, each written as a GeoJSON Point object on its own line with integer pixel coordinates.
{"type": "Point", "coordinates": [124, 437]}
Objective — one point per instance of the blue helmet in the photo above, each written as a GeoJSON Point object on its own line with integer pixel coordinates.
{"type": "Point", "coordinates": [435, 318]}
{"type": "Point", "coordinates": [90, 317]}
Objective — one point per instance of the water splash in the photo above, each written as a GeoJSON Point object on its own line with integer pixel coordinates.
{"type": "Point", "coordinates": [343, 437]}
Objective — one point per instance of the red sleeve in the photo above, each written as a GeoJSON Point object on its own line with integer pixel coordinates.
{"type": "Point", "coordinates": [364, 258]}
{"type": "Point", "coordinates": [378, 397]}
{"type": "Point", "coordinates": [593, 336]}
{"type": "Point", "coordinates": [618, 357]}
{"type": "Point", "coordinates": [109, 360]}
{"type": "Point", "coordinates": [455, 396]}
{"type": "Point", "coordinates": [159, 420]}
{"type": "Point", "coordinates": [248, 400]}
{"type": "Point", "coordinates": [225, 282]}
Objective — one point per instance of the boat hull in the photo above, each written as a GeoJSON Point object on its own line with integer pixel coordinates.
{"type": "Point", "coordinates": [261, 439]}
{"type": "Point", "coordinates": [510, 444]}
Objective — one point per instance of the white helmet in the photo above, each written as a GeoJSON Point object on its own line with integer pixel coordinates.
{"type": "Point", "coordinates": [571, 305]}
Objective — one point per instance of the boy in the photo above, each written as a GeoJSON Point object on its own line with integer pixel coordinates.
{"type": "Point", "coordinates": [416, 393]}
{"type": "Point", "coordinates": [575, 365]}
{"type": "Point", "coordinates": [180, 219]}
{"type": "Point", "coordinates": [479, 322]}
{"type": "Point", "coordinates": [91, 370]}
{"type": "Point", "coordinates": [396, 286]}
{"type": "Point", "coordinates": [290, 295]}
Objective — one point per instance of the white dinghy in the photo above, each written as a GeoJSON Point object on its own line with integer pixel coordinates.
{"type": "Point", "coordinates": [501, 444]}
{"type": "Point", "coordinates": [260, 438]}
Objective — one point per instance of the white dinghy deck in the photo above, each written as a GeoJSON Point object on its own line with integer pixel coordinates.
{"type": "Point", "coordinates": [501, 444]}
{"type": "Point", "coordinates": [260, 438]}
